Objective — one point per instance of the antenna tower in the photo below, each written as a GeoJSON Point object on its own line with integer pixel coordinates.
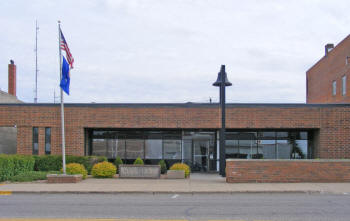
{"type": "Point", "coordinates": [36, 62]}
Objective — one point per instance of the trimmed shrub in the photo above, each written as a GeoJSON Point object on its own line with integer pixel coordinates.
{"type": "Point", "coordinates": [11, 165]}
{"type": "Point", "coordinates": [138, 161]}
{"type": "Point", "coordinates": [76, 168]}
{"type": "Point", "coordinates": [48, 163]}
{"type": "Point", "coordinates": [54, 162]}
{"type": "Point", "coordinates": [181, 166]}
{"type": "Point", "coordinates": [31, 176]}
{"type": "Point", "coordinates": [163, 167]}
{"type": "Point", "coordinates": [104, 170]}
{"type": "Point", "coordinates": [117, 162]}
{"type": "Point", "coordinates": [6, 167]}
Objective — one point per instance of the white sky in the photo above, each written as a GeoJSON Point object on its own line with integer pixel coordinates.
{"type": "Point", "coordinates": [170, 50]}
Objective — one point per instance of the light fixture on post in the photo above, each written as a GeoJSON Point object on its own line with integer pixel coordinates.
{"type": "Point", "coordinates": [222, 82]}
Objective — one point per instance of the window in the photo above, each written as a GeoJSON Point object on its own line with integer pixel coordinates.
{"type": "Point", "coordinates": [172, 149]}
{"type": "Point", "coordinates": [35, 141]}
{"type": "Point", "coordinates": [343, 80]}
{"type": "Point", "coordinates": [47, 140]}
{"type": "Point", "coordinates": [334, 88]}
{"type": "Point", "coordinates": [153, 149]}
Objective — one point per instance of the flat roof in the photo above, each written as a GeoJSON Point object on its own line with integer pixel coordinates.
{"type": "Point", "coordinates": [179, 105]}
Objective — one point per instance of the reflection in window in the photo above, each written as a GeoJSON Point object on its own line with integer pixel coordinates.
{"type": "Point", "coordinates": [99, 147]}
{"type": "Point", "coordinates": [343, 80]}
{"type": "Point", "coordinates": [231, 149]}
{"type": "Point", "coordinates": [121, 148]}
{"type": "Point", "coordinates": [172, 149]}
{"type": "Point", "coordinates": [153, 149]}
{"type": "Point", "coordinates": [299, 149]}
{"type": "Point", "coordinates": [247, 148]}
{"type": "Point", "coordinates": [35, 141]}
{"type": "Point", "coordinates": [47, 140]}
{"type": "Point", "coordinates": [267, 149]}
{"type": "Point", "coordinates": [284, 149]}
{"type": "Point", "coordinates": [134, 149]}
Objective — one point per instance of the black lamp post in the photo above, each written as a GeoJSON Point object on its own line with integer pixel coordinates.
{"type": "Point", "coordinates": [222, 82]}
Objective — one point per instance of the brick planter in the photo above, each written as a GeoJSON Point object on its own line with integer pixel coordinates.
{"type": "Point", "coordinates": [176, 174]}
{"type": "Point", "coordinates": [287, 171]}
{"type": "Point", "coordinates": [139, 171]}
{"type": "Point", "coordinates": [64, 178]}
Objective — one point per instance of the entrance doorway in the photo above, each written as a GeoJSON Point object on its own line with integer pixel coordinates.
{"type": "Point", "coordinates": [204, 154]}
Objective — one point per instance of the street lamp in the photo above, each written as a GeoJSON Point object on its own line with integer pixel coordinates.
{"type": "Point", "coordinates": [222, 82]}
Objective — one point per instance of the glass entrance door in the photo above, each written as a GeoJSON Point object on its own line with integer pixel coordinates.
{"type": "Point", "coordinates": [201, 155]}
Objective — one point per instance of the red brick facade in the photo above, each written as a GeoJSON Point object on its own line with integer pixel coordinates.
{"type": "Point", "coordinates": [332, 67]}
{"type": "Point", "coordinates": [330, 124]}
{"type": "Point", "coordinates": [287, 171]}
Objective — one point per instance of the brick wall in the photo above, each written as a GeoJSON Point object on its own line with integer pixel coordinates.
{"type": "Point", "coordinates": [330, 123]}
{"type": "Point", "coordinates": [287, 171]}
{"type": "Point", "coordinates": [328, 69]}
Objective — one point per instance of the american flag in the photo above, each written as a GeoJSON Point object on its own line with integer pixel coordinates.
{"type": "Point", "coordinates": [64, 46]}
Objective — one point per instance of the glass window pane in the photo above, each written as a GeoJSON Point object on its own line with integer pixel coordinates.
{"type": "Point", "coordinates": [343, 85]}
{"type": "Point", "coordinates": [334, 88]}
{"type": "Point", "coordinates": [267, 148]}
{"type": "Point", "coordinates": [47, 140]}
{"type": "Point", "coordinates": [267, 135]}
{"type": "Point", "coordinates": [282, 134]}
{"type": "Point", "coordinates": [35, 150]}
{"type": "Point", "coordinates": [300, 149]}
{"type": "Point", "coordinates": [121, 148]}
{"type": "Point", "coordinates": [247, 148]}
{"type": "Point", "coordinates": [153, 149]}
{"type": "Point", "coordinates": [284, 149]}
{"type": "Point", "coordinates": [99, 147]}
{"type": "Point", "coordinates": [172, 149]}
{"type": "Point", "coordinates": [187, 150]}
{"type": "Point", "coordinates": [111, 152]}
{"type": "Point", "coordinates": [231, 149]}
{"type": "Point", "coordinates": [134, 148]}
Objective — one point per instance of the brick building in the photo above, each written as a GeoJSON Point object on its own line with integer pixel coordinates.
{"type": "Point", "coordinates": [328, 81]}
{"type": "Point", "coordinates": [183, 132]}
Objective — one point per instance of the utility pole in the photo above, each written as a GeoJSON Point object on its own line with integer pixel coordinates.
{"type": "Point", "coordinates": [36, 62]}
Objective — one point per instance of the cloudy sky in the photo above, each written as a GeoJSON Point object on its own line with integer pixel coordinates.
{"type": "Point", "coordinates": [170, 50]}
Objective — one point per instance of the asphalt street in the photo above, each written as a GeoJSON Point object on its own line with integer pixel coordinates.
{"type": "Point", "coordinates": [248, 206]}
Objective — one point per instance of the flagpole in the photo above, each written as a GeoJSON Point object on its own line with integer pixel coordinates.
{"type": "Point", "coordinates": [62, 105]}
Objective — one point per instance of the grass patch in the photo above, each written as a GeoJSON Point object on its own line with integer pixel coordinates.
{"type": "Point", "coordinates": [32, 176]}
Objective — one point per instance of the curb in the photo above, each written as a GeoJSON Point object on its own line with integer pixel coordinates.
{"type": "Point", "coordinates": [178, 192]}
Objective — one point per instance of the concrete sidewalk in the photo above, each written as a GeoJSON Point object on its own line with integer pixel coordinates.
{"type": "Point", "coordinates": [198, 183]}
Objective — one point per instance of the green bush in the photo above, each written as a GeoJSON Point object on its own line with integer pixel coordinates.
{"type": "Point", "coordinates": [181, 166]}
{"type": "Point", "coordinates": [54, 162]}
{"type": "Point", "coordinates": [163, 167]}
{"type": "Point", "coordinates": [31, 176]}
{"type": "Point", "coordinates": [11, 165]}
{"type": "Point", "coordinates": [76, 168]}
{"type": "Point", "coordinates": [138, 161]}
{"type": "Point", "coordinates": [117, 162]}
{"type": "Point", "coordinates": [104, 170]}
{"type": "Point", "coordinates": [48, 163]}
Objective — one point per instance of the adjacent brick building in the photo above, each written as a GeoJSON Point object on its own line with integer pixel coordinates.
{"type": "Point", "coordinates": [328, 81]}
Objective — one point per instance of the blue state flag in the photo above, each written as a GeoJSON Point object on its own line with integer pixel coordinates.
{"type": "Point", "coordinates": [65, 81]}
